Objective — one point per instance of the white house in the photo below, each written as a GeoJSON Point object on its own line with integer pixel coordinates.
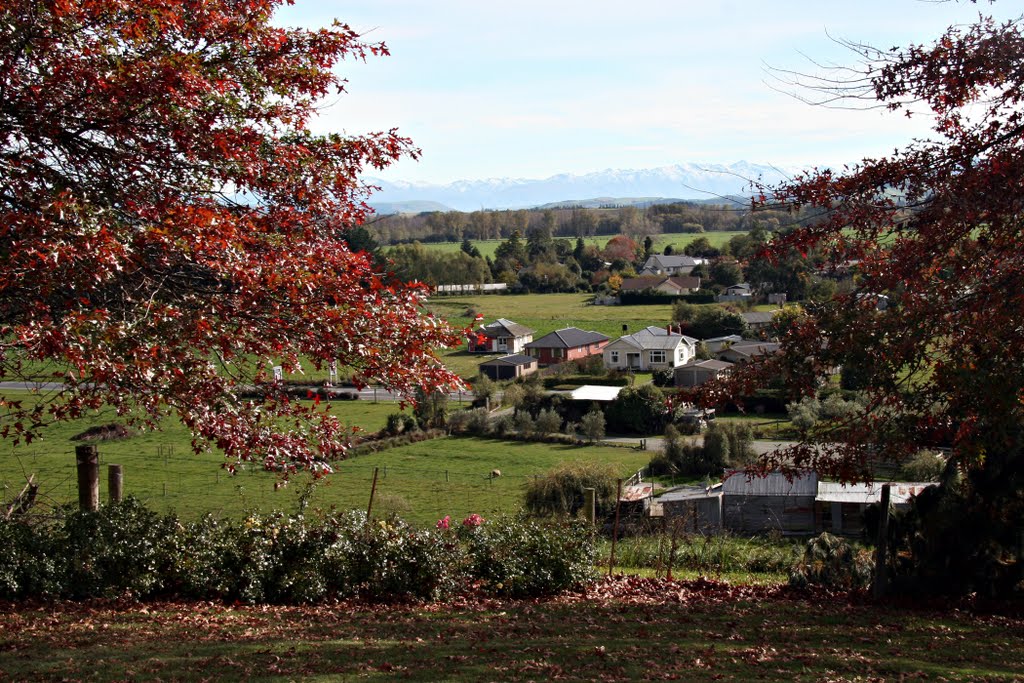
{"type": "Point", "coordinates": [501, 336]}
{"type": "Point", "coordinates": [659, 264]}
{"type": "Point", "coordinates": [652, 348]}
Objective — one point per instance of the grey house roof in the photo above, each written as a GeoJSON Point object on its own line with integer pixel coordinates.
{"type": "Point", "coordinates": [757, 317]}
{"type": "Point", "coordinates": [709, 365]}
{"type": "Point", "coordinates": [512, 359]}
{"type": "Point", "coordinates": [505, 328]}
{"type": "Point", "coordinates": [568, 338]}
{"type": "Point", "coordinates": [654, 337]}
{"type": "Point", "coordinates": [662, 262]}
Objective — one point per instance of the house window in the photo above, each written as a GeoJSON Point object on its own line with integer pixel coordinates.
{"type": "Point", "coordinates": [658, 356]}
{"type": "Point", "coordinates": [614, 357]}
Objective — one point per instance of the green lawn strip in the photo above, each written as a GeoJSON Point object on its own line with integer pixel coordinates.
{"type": "Point", "coordinates": [423, 482]}
{"type": "Point", "coordinates": [452, 476]}
{"type": "Point", "coordinates": [676, 630]}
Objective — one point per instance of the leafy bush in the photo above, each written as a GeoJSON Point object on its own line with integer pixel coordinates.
{"type": "Point", "coordinates": [126, 548]}
{"type": "Point", "coordinates": [121, 548]}
{"type": "Point", "coordinates": [560, 491]}
{"type": "Point", "coordinates": [729, 445]}
{"type": "Point", "coordinates": [28, 562]}
{"type": "Point", "coordinates": [924, 466]}
{"type": "Point", "coordinates": [830, 561]}
{"type": "Point", "coordinates": [523, 557]}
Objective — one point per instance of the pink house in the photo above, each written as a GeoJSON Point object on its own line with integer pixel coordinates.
{"type": "Point", "coordinates": [567, 344]}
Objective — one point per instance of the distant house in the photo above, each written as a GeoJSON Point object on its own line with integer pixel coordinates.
{"type": "Point", "coordinates": [758, 504]}
{"type": "Point", "coordinates": [745, 350]}
{"type": "Point", "coordinates": [758, 320]}
{"type": "Point", "coordinates": [840, 508]}
{"type": "Point", "coordinates": [672, 285]}
{"type": "Point", "coordinates": [652, 348]}
{"type": "Point", "coordinates": [659, 264]}
{"type": "Point", "coordinates": [501, 336]}
{"type": "Point", "coordinates": [716, 344]}
{"type": "Point", "coordinates": [697, 372]}
{"type": "Point", "coordinates": [509, 367]}
{"type": "Point", "coordinates": [570, 343]}
{"type": "Point", "coordinates": [738, 292]}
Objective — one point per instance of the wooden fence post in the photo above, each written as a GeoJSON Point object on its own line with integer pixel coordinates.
{"type": "Point", "coordinates": [615, 528]}
{"type": "Point", "coordinates": [88, 460]}
{"type": "Point", "coordinates": [373, 490]}
{"type": "Point", "coordinates": [115, 482]}
{"type": "Point", "coordinates": [590, 505]}
{"type": "Point", "coordinates": [882, 546]}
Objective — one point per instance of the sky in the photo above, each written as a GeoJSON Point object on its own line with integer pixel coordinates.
{"type": "Point", "coordinates": [534, 88]}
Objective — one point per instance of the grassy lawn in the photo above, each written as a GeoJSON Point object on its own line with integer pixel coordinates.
{"type": "Point", "coordinates": [625, 629]}
{"type": "Point", "coordinates": [423, 482]}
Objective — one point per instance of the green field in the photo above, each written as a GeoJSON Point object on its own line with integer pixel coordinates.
{"type": "Point", "coordinates": [423, 482]}
{"type": "Point", "coordinates": [677, 240]}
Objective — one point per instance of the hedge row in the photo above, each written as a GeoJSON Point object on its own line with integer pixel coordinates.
{"type": "Point", "coordinates": [127, 549]}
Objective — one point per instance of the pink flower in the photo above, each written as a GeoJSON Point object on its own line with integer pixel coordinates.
{"type": "Point", "coordinates": [474, 520]}
{"type": "Point", "coordinates": [444, 523]}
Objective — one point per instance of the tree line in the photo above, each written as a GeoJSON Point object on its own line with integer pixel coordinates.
{"type": "Point", "coordinates": [677, 217]}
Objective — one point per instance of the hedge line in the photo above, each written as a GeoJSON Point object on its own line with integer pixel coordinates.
{"type": "Point", "coordinates": [127, 549]}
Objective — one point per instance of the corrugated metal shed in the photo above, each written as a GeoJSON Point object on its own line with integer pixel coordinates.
{"type": "Point", "coordinates": [900, 493]}
{"type": "Point", "coordinates": [775, 484]}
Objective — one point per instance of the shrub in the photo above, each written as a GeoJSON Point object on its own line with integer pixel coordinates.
{"type": "Point", "coordinates": [830, 561]}
{"type": "Point", "coordinates": [121, 548]}
{"type": "Point", "coordinates": [395, 424]}
{"type": "Point", "coordinates": [279, 558]}
{"type": "Point", "coordinates": [729, 445]}
{"type": "Point", "coordinates": [548, 422]}
{"type": "Point", "coordinates": [560, 491]}
{"type": "Point", "coordinates": [524, 558]}
{"type": "Point", "coordinates": [592, 425]}
{"type": "Point", "coordinates": [389, 560]}
{"type": "Point", "coordinates": [28, 566]}
{"type": "Point", "coordinates": [924, 466]}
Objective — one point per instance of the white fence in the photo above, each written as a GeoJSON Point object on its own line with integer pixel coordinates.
{"type": "Point", "coordinates": [485, 288]}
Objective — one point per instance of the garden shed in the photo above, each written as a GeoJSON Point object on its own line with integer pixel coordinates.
{"type": "Point", "coordinates": [699, 508]}
{"type": "Point", "coordinates": [752, 505]}
{"type": "Point", "coordinates": [509, 367]}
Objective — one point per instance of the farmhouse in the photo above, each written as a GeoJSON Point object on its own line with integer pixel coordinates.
{"type": "Point", "coordinates": [509, 367]}
{"type": "Point", "coordinates": [652, 348]}
{"type": "Point", "coordinates": [738, 292]}
{"type": "Point", "coordinates": [501, 336]}
{"type": "Point", "coordinates": [659, 264]}
{"type": "Point", "coordinates": [570, 343]}
{"type": "Point", "coordinates": [671, 285]}
{"type": "Point", "coordinates": [758, 321]}
{"type": "Point", "coordinates": [745, 350]}
{"type": "Point", "coordinates": [697, 372]}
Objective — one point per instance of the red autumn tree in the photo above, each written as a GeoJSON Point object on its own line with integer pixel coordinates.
{"type": "Point", "coordinates": [936, 229]}
{"type": "Point", "coordinates": [170, 228]}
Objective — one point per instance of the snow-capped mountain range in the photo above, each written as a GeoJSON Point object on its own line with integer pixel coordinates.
{"type": "Point", "coordinates": [692, 181]}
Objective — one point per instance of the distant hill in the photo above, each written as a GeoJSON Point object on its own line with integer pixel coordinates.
{"type": "Point", "coordinates": [415, 206]}
{"type": "Point", "coordinates": [690, 182]}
